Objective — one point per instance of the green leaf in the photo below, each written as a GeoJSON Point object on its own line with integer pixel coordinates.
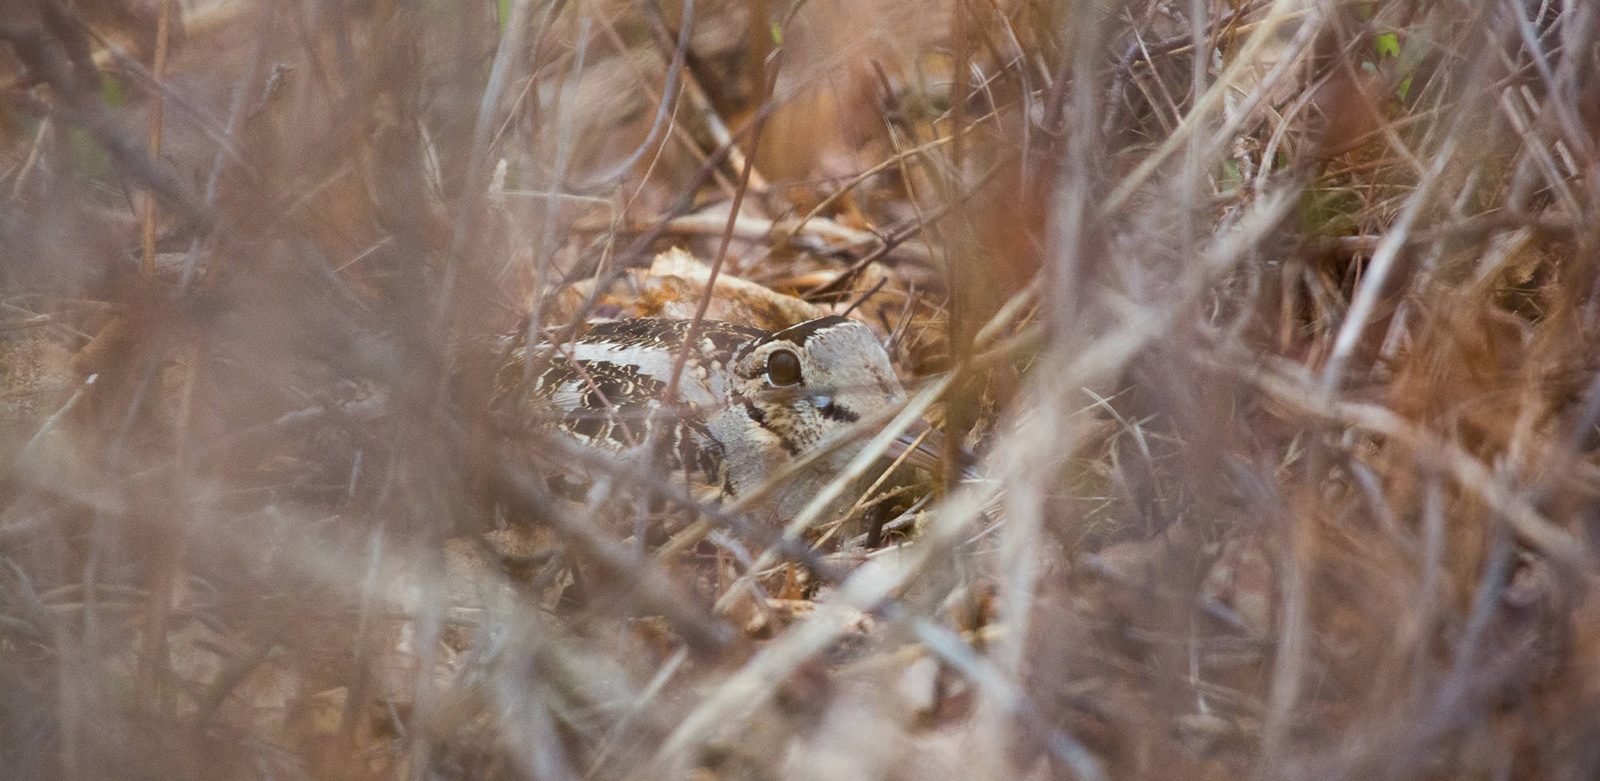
{"type": "Point", "coordinates": [777, 34]}
{"type": "Point", "coordinates": [88, 156]}
{"type": "Point", "coordinates": [1329, 211]}
{"type": "Point", "coordinates": [1386, 45]}
{"type": "Point", "coordinates": [111, 90]}
{"type": "Point", "coordinates": [1230, 174]}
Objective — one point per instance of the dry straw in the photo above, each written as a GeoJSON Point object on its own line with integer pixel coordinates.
{"type": "Point", "coordinates": [1273, 325]}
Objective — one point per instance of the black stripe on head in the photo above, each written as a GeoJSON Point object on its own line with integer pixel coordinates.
{"type": "Point", "coordinates": [701, 452]}
{"type": "Point", "coordinates": [727, 337]}
{"type": "Point", "coordinates": [798, 334]}
{"type": "Point", "coordinates": [761, 420]}
{"type": "Point", "coordinates": [833, 411]}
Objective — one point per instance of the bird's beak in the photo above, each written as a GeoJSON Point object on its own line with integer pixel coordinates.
{"type": "Point", "coordinates": [923, 447]}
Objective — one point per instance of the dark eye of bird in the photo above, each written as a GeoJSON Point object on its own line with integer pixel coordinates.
{"type": "Point", "coordinates": [783, 368]}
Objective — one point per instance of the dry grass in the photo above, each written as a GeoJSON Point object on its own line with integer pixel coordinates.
{"type": "Point", "coordinates": [1273, 323]}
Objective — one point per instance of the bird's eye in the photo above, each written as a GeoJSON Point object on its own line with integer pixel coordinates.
{"type": "Point", "coordinates": [783, 368]}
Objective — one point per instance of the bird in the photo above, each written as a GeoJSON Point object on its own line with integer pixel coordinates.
{"type": "Point", "coordinates": [748, 401]}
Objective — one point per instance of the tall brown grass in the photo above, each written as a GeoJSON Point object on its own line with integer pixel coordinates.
{"type": "Point", "coordinates": [1272, 323]}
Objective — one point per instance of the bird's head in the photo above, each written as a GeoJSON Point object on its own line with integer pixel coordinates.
{"type": "Point", "coordinates": [810, 381]}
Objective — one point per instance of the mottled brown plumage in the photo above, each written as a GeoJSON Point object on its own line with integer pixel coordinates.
{"type": "Point", "coordinates": [748, 401]}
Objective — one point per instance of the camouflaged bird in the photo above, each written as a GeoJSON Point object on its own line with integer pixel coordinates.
{"type": "Point", "coordinates": [748, 400]}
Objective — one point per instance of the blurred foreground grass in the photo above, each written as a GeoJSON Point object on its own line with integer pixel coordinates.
{"type": "Point", "coordinates": [1274, 324]}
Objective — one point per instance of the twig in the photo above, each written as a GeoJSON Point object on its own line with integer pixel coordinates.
{"type": "Point", "coordinates": [1377, 273]}
{"type": "Point", "coordinates": [1472, 475]}
{"type": "Point", "coordinates": [1279, 13]}
{"type": "Point", "coordinates": [80, 105]}
{"type": "Point", "coordinates": [157, 104]}
{"type": "Point", "coordinates": [664, 109]}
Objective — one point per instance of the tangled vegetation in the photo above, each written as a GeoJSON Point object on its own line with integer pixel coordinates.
{"type": "Point", "coordinates": [1272, 325]}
